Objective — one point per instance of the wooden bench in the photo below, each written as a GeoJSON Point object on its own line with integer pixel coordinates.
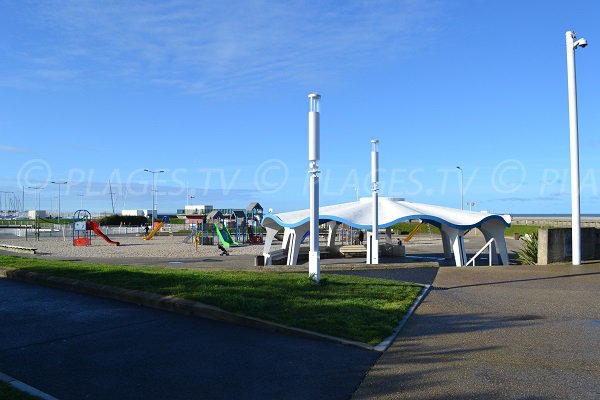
{"type": "Point", "coordinates": [352, 250]}
{"type": "Point", "coordinates": [17, 249]}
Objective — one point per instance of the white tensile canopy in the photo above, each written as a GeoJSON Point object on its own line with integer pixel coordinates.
{"type": "Point", "coordinates": [453, 224]}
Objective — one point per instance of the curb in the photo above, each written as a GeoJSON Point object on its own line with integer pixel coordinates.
{"type": "Point", "coordinates": [387, 342]}
{"type": "Point", "coordinates": [17, 249]}
{"type": "Point", "coordinates": [181, 306]}
{"type": "Point", "coordinates": [23, 387]}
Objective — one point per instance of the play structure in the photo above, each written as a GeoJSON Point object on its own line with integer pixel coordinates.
{"type": "Point", "coordinates": [226, 227]}
{"type": "Point", "coordinates": [83, 226]}
{"type": "Point", "coordinates": [157, 228]}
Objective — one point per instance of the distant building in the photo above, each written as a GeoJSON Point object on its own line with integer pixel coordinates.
{"type": "Point", "coordinates": [133, 213]}
{"type": "Point", "coordinates": [198, 209]}
{"type": "Point", "coordinates": [33, 214]}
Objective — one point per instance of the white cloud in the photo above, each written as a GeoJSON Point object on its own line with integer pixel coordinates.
{"type": "Point", "coordinates": [211, 46]}
{"type": "Point", "coordinates": [11, 149]}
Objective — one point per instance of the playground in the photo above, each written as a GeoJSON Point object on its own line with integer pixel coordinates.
{"type": "Point", "coordinates": [173, 251]}
{"type": "Point", "coordinates": [162, 247]}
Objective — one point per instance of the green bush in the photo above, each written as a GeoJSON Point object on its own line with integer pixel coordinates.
{"type": "Point", "coordinates": [528, 254]}
{"type": "Point", "coordinates": [130, 220]}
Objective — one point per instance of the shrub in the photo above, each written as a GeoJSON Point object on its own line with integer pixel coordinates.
{"type": "Point", "coordinates": [131, 220]}
{"type": "Point", "coordinates": [528, 254]}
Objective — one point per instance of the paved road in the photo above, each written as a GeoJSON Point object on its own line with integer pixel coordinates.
{"type": "Point", "coordinates": [78, 347]}
{"type": "Point", "coordinates": [500, 332]}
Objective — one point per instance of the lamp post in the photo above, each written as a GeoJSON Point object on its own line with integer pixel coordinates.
{"type": "Point", "coordinates": [471, 204]}
{"type": "Point", "coordinates": [153, 190]}
{"type": "Point", "coordinates": [373, 249]}
{"type": "Point", "coordinates": [59, 183]}
{"type": "Point", "coordinates": [572, 44]}
{"type": "Point", "coordinates": [462, 206]}
{"type": "Point", "coordinates": [37, 199]}
{"type": "Point", "coordinates": [37, 209]}
{"type": "Point", "coordinates": [314, 155]}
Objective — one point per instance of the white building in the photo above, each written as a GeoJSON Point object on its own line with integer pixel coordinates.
{"type": "Point", "coordinates": [198, 209]}
{"type": "Point", "coordinates": [31, 214]}
{"type": "Point", "coordinates": [133, 213]}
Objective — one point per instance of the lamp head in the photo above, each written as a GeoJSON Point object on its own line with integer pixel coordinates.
{"type": "Point", "coordinates": [581, 43]}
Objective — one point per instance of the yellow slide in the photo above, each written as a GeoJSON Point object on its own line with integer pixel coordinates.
{"type": "Point", "coordinates": [412, 233]}
{"type": "Point", "coordinates": [153, 232]}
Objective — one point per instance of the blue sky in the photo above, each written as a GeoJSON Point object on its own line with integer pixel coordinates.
{"type": "Point", "coordinates": [215, 94]}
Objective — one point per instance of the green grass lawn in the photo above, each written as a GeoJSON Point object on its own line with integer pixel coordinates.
{"type": "Point", "coordinates": [361, 309]}
{"type": "Point", "coordinates": [522, 229]}
{"type": "Point", "coordinates": [7, 392]}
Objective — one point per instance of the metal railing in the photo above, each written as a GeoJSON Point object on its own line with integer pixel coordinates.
{"type": "Point", "coordinates": [488, 245]}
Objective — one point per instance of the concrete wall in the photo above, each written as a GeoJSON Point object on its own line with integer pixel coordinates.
{"type": "Point", "coordinates": [554, 245]}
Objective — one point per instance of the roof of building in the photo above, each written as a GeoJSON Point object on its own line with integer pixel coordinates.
{"type": "Point", "coordinates": [238, 213]}
{"type": "Point", "coordinates": [215, 214]}
{"type": "Point", "coordinates": [358, 215]}
{"type": "Point", "coordinates": [254, 206]}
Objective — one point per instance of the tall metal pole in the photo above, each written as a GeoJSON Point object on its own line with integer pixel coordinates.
{"type": "Point", "coordinates": [373, 251]}
{"type": "Point", "coordinates": [153, 190]}
{"type": "Point", "coordinates": [314, 155]}
{"type": "Point", "coordinates": [59, 183]}
{"type": "Point", "coordinates": [462, 199]}
{"type": "Point", "coordinates": [37, 209]}
{"type": "Point", "coordinates": [574, 141]}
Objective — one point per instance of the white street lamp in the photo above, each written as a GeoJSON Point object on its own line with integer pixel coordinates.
{"type": "Point", "coordinates": [59, 183]}
{"type": "Point", "coordinates": [153, 190]}
{"type": "Point", "coordinates": [462, 207]}
{"type": "Point", "coordinates": [314, 155]}
{"type": "Point", "coordinates": [373, 244]}
{"type": "Point", "coordinates": [572, 44]}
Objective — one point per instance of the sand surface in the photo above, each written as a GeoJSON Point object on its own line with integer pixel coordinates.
{"type": "Point", "coordinates": [131, 246]}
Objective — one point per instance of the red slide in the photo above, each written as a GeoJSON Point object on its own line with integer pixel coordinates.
{"type": "Point", "coordinates": [93, 226]}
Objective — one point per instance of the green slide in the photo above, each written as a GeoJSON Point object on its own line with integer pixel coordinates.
{"type": "Point", "coordinates": [225, 236]}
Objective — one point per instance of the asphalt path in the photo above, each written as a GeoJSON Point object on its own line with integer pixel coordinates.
{"type": "Point", "coordinates": [498, 333]}
{"type": "Point", "coordinates": [79, 347]}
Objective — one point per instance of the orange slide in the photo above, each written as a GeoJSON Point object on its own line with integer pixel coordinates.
{"type": "Point", "coordinates": [93, 226]}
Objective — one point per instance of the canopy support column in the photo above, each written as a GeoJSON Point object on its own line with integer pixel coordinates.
{"type": "Point", "coordinates": [457, 241]}
{"type": "Point", "coordinates": [267, 246]}
{"type": "Point", "coordinates": [494, 228]}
